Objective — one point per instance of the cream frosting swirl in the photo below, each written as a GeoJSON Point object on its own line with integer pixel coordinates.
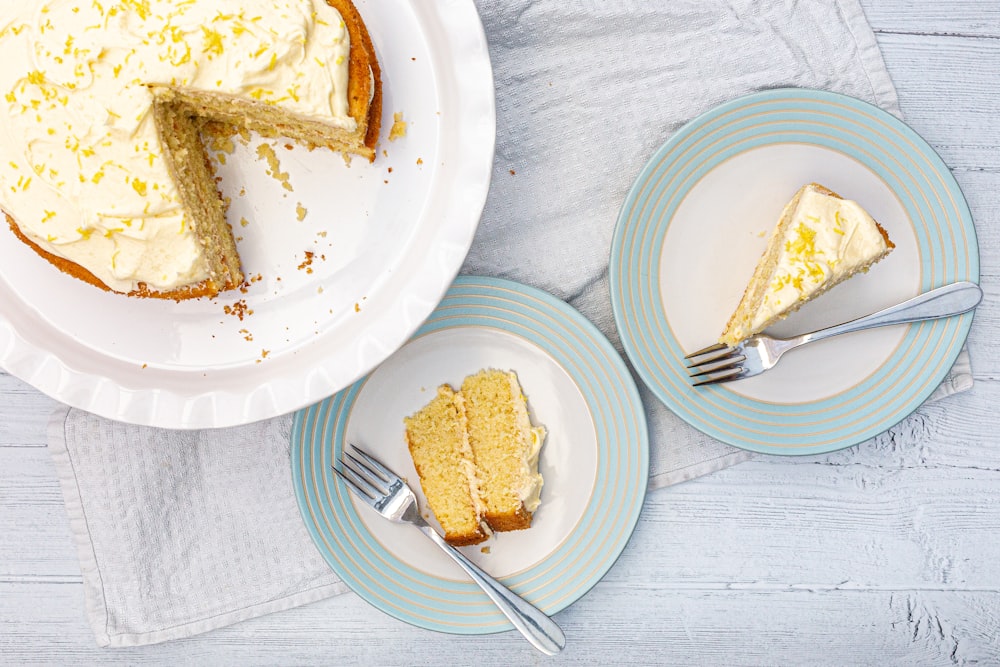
{"type": "Point", "coordinates": [82, 169]}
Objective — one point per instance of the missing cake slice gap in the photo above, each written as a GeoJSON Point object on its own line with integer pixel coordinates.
{"type": "Point", "coordinates": [820, 241]}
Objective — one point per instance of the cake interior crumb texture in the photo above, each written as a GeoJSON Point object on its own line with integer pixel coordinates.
{"type": "Point", "coordinates": [439, 447]}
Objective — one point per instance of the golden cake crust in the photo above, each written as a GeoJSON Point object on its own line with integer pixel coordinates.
{"type": "Point", "coordinates": [365, 78]}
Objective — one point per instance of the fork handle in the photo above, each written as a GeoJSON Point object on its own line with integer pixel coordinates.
{"type": "Point", "coordinates": [953, 299]}
{"type": "Point", "coordinates": [537, 628]}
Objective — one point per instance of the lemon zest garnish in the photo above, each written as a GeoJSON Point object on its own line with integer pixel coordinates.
{"type": "Point", "coordinates": [212, 41]}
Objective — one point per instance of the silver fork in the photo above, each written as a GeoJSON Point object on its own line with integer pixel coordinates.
{"type": "Point", "coordinates": [720, 363]}
{"type": "Point", "coordinates": [386, 493]}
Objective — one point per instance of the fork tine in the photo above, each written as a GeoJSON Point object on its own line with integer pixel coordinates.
{"type": "Point", "coordinates": [714, 355]}
{"type": "Point", "coordinates": [373, 464]}
{"type": "Point", "coordinates": [371, 479]}
{"type": "Point", "coordinates": [706, 350]}
{"type": "Point", "coordinates": [721, 376]}
{"type": "Point", "coordinates": [357, 485]}
{"type": "Point", "coordinates": [713, 366]}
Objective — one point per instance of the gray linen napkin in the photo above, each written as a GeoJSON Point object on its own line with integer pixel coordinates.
{"type": "Point", "coordinates": [182, 532]}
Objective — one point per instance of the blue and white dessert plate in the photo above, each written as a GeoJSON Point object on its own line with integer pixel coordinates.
{"type": "Point", "coordinates": [595, 459]}
{"type": "Point", "coordinates": [696, 221]}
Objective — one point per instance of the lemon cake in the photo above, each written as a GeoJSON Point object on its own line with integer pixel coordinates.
{"type": "Point", "coordinates": [505, 447]}
{"type": "Point", "coordinates": [820, 241]}
{"type": "Point", "coordinates": [103, 170]}
{"type": "Point", "coordinates": [439, 446]}
{"type": "Point", "coordinates": [476, 453]}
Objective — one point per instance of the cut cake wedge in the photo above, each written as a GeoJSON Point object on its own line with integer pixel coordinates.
{"type": "Point", "coordinates": [820, 241]}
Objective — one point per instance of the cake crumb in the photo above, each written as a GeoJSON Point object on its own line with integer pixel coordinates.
{"type": "Point", "coordinates": [357, 307]}
{"type": "Point", "coordinates": [420, 160]}
{"type": "Point", "coordinates": [145, 366]}
{"type": "Point", "coordinates": [485, 550]}
{"type": "Point", "coordinates": [762, 233]}
{"type": "Point", "coordinates": [238, 309]}
{"type": "Point", "coordinates": [512, 172]}
{"type": "Point", "coordinates": [347, 158]}
{"type": "Point", "coordinates": [266, 153]}
{"type": "Point", "coordinates": [321, 234]}
{"type": "Point", "coordinates": [244, 222]}
{"type": "Point", "coordinates": [300, 211]}
{"type": "Point", "coordinates": [398, 126]}
{"type": "Point", "coordinates": [247, 336]}
{"type": "Point", "coordinates": [307, 262]}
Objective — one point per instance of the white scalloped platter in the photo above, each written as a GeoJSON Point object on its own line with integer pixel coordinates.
{"type": "Point", "coordinates": [343, 268]}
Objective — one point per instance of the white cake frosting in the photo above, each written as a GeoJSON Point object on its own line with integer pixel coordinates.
{"type": "Point", "coordinates": [828, 237]}
{"type": "Point", "coordinates": [530, 492]}
{"type": "Point", "coordinates": [81, 166]}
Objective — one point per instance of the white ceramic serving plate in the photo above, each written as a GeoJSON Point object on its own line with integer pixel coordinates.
{"type": "Point", "coordinates": [388, 239]}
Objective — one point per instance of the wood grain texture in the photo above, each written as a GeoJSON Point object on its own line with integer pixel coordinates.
{"type": "Point", "coordinates": [885, 553]}
{"type": "Point", "coordinates": [968, 18]}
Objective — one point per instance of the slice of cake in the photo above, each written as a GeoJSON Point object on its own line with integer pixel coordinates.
{"type": "Point", "coordinates": [476, 453]}
{"type": "Point", "coordinates": [103, 170]}
{"type": "Point", "coordinates": [439, 446]}
{"type": "Point", "coordinates": [820, 241]}
{"type": "Point", "coordinates": [505, 447]}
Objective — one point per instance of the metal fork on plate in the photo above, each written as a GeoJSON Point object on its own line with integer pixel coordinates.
{"type": "Point", "coordinates": [386, 493]}
{"type": "Point", "coordinates": [753, 356]}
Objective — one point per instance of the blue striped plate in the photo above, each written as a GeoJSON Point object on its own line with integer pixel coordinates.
{"type": "Point", "coordinates": [695, 223]}
{"type": "Point", "coordinates": [594, 460]}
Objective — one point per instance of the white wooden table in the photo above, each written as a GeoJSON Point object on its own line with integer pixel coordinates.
{"type": "Point", "coordinates": [885, 553]}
